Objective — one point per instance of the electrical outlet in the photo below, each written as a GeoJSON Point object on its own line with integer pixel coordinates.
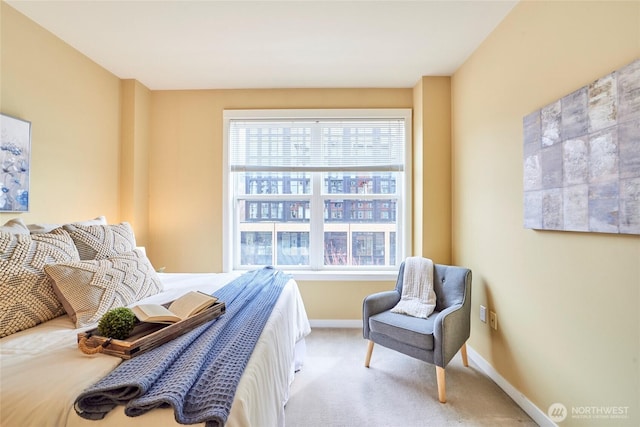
{"type": "Point", "coordinates": [493, 320]}
{"type": "Point", "coordinates": [483, 314]}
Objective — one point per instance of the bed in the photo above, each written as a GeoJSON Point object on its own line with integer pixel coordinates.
{"type": "Point", "coordinates": [42, 371]}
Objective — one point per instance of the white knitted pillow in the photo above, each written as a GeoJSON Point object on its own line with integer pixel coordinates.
{"type": "Point", "coordinates": [49, 227]}
{"type": "Point", "coordinates": [102, 241]}
{"type": "Point", "coordinates": [15, 226]}
{"type": "Point", "coordinates": [88, 289]}
{"type": "Point", "coordinates": [26, 295]}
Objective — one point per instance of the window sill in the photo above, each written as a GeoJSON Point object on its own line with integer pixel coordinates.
{"type": "Point", "coordinates": [349, 276]}
{"type": "Point", "coordinates": [342, 276]}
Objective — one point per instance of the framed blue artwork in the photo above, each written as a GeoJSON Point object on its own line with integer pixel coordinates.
{"type": "Point", "coordinates": [15, 162]}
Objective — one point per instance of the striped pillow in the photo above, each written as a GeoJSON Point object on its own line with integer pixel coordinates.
{"type": "Point", "coordinates": [26, 294]}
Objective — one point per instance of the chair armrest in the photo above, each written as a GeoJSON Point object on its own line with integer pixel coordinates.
{"type": "Point", "coordinates": [451, 329]}
{"type": "Point", "coordinates": [377, 303]}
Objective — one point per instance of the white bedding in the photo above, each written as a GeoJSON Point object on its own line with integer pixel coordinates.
{"type": "Point", "coordinates": [42, 371]}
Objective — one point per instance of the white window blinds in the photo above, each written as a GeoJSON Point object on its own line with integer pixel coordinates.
{"type": "Point", "coordinates": [317, 145]}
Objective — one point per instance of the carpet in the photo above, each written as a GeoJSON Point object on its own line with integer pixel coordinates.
{"type": "Point", "coordinates": [334, 389]}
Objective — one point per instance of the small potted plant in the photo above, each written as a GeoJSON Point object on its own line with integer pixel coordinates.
{"type": "Point", "coordinates": [117, 323]}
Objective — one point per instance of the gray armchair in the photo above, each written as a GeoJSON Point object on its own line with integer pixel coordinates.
{"type": "Point", "coordinates": [435, 339]}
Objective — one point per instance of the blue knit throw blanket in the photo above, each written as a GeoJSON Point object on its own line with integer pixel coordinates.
{"type": "Point", "coordinates": [197, 373]}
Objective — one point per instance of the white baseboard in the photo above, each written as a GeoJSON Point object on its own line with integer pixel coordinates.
{"type": "Point", "coordinates": [335, 323]}
{"type": "Point", "coordinates": [539, 416]}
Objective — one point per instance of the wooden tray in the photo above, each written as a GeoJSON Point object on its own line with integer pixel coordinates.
{"type": "Point", "coordinates": [147, 336]}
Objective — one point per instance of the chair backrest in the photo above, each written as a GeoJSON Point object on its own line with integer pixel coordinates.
{"type": "Point", "coordinates": [449, 284]}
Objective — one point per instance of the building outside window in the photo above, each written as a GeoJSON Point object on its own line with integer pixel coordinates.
{"type": "Point", "coordinates": [316, 192]}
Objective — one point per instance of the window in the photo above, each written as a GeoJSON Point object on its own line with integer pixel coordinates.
{"type": "Point", "coordinates": [316, 190]}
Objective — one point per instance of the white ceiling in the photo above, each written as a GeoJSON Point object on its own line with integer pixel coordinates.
{"type": "Point", "coordinates": [181, 44]}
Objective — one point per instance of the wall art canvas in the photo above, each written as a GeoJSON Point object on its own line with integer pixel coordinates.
{"type": "Point", "coordinates": [15, 159]}
{"type": "Point", "coordinates": [582, 158]}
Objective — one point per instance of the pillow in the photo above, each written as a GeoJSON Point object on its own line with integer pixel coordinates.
{"type": "Point", "coordinates": [15, 226]}
{"type": "Point", "coordinates": [26, 293]}
{"type": "Point", "coordinates": [47, 228]}
{"type": "Point", "coordinates": [88, 289]}
{"type": "Point", "coordinates": [102, 241]}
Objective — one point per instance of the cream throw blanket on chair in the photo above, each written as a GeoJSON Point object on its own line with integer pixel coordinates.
{"type": "Point", "coordinates": [418, 297]}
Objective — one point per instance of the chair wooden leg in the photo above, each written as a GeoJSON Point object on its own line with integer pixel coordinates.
{"type": "Point", "coordinates": [369, 351]}
{"type": "Point", "coordinates": [463, 351]}
{"type": "Point", "coordinates": [442, 393]}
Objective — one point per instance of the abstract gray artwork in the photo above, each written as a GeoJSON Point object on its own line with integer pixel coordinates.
{"type": "Point", "coordinates": [582, 158]}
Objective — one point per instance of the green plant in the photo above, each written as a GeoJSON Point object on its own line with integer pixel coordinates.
{"type": "Point", "coordinates": [117, 323]}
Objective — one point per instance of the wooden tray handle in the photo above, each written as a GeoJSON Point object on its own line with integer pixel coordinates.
{"type": "Point", "coordinates": [82, 345]}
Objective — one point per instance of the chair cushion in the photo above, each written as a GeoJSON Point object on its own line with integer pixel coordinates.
{"type": "Point", "coordinates": [449, 285]}
{"type": "Point", "coordinates": [410, 330]}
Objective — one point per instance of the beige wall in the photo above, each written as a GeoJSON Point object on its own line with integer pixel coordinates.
{"type": "Point", "coordinates": [432, 169]}
{"type": "Point", "coordinates": [417, 170]}
{"type": "Point", "coordinates": [185, 222]}
{"type": "Point", "coordinates": [567, 303]}
{"type": "Point", "coordinates": [74, 109]}
{"type": "Point", "coordinates": [134, 158]}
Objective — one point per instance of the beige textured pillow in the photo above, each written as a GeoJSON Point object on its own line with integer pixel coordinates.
{"type": "Point", "coordinates": [48, 228]}
{"type": "Point", "coordinates": [15, 226]}
{"type": "Point", "coordinates": [26, 295]}
{"type": "Point", "coordinates": [88, 289]}
{"type": "Point", "coordinates": [102, 241]}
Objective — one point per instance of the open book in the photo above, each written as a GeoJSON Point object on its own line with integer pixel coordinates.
{"type": "Point", "coordinates": [187, 305]}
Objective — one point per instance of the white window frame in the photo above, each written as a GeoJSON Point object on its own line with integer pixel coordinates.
{"type": "Point", "coordinates": [403, 236]}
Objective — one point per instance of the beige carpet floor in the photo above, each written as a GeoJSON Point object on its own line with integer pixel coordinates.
{"type": "Point", "coordinates": [334, 389]}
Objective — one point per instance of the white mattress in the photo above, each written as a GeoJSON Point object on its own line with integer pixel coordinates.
{"type": "Point", "coordinates": [42, 371]}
